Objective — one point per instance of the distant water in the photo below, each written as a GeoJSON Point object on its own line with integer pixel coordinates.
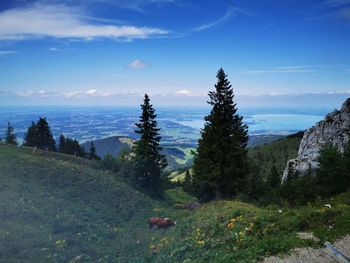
{"type": "Point", "coordinates": [179, 125]}
{"type": "Point", "coordinates": [282, 123]}
{"type": "Point", "coordinates": [269, 123]}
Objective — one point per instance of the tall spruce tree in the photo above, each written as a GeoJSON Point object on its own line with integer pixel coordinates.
{"type": "Point", "coordinates": [10, 137]}
{"type": "Point", "coordinates": [220, 164]}
{"type": "Point", "coordinates": [30, 136]}
{"type": "Point", "coordinates": [43, 136]}
{"type": "Point", "coordinates": [149, 163]}
{"type": "Point", "coordinates": [39, 135]}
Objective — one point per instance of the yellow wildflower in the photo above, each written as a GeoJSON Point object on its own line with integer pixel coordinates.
{"type": "Point", "coordinates": [230, 225]}
{"type": "Point", "coordinates": [322, 210]}
{"type": "Point", "coordinates": [152, 247]}
{"type": "Point", "coordinates": [61, 243]}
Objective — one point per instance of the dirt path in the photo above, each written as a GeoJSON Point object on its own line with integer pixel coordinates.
{"type": "Point", "coordinates": [312, 255]}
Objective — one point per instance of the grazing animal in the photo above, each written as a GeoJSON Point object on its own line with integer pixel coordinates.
{"type": "Point", "coordinates": [160, 222]}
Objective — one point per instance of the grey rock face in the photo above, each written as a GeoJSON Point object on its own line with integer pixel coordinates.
{"type": "Point", "coordinates": [333, 130]}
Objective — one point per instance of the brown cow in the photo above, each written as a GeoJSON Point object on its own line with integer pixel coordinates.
{"type": "Point", "coordinates": [160, 222]}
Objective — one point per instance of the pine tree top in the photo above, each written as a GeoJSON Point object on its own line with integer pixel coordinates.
{"type": "Point", "coordinates": [10, 137]}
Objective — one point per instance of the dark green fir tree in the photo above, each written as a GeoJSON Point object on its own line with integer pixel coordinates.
{"type": "Point", "coordinates": [30, 136]}
{"type": "Point", "coordinates": [70, 146]}
{"type": "Point", "coordinates": [92, 152]}
{"type": "Point", "coordinates": [220, 165]}
{"type": "Point", "coordinates": [273, 180]}
{"type": "Point", "coordinates": [331, 173]}
{"type": "Point", "coordinates": [10, 136]}
{"type": "Point", "coordinates": [62, 144]}
{"type": "Point", "coordinates": [149, 162]}
{"type": "Point", "coordinates": [346, 160]}
{"type": "Point", "coordinates": [43, 137]}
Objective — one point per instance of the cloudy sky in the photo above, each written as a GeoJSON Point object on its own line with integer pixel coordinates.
{"type": "Point", "coordinates": [110, 52]}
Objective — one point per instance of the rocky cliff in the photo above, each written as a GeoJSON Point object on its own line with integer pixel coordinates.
{"type": "Point", "coordinates": [334, 130]}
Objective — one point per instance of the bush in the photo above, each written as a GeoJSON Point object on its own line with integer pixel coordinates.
{"type": "Point", "coordinates": [332, 174]}
{"type": "Point", "coordinates": [299, 191]}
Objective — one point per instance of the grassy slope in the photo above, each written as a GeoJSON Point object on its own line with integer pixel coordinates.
{"type": "Point", "coordinates": [207, 236]}
{"type": "Point", "coordinates": [54, 208]}
{"type": "Point", "coordinates": [276, 153]}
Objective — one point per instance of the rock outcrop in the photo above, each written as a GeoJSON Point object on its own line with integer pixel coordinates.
{"type": "Point", "coordinates": [333, 130]}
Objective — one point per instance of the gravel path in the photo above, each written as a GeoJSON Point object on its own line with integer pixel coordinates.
{"type": "Point", "coordinates": [312, 255]}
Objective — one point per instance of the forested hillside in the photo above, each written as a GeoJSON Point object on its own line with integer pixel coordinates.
{"type": "Point", "coordinates": [276, 154]}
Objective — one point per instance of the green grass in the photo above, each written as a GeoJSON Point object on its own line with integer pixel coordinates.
{"type": "Point", "coordinates": [207, 235]}
{"type": "Point", "coordinates": [54, 208]}
{"type": "Point", "coordinates": [177, 162]}
{"type": "Point", "coordinates": [178, 196]}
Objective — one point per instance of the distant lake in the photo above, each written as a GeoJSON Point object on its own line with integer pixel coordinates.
{"type": "Point", "coordinates": [283, 122]}
{"type": "Point", "coordinates": [269, 123]}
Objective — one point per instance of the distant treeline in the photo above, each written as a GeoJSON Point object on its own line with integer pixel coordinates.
{"type": "Point", "coordinates": [39, 135]}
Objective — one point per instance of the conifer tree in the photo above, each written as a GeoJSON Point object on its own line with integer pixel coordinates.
{"type": "Point", "coordinates": [346, 160]}
{"type": "Point", "coordinates": [92, 152]}
{"type": "Point", "coordinates": [10, 137]}
{"type": "Point", "coordinates": [70, 146]}
{"type": "Point", "coordinates": [61, 144]}
{"type": "Point", "coordinates": [187, 183]}
{"type": "Point", "coordinates": [30, 136]}
{"type": "Point", "coordinates": [220, 164]}
{"type": "Point", "coordinates": [77, 150]}
{"type": "Point", "coordinates": [331, 173]}
{"type": "Point", "coordinates": [149, 163]}
{"type": "Point", "coordinates": [43, 137]}
{"type": "Point", "coordinates": [274, 179]}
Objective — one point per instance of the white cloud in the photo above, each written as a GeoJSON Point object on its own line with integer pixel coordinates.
{"type": "Point", "coordinates": [232, 11]}
{"type": "Point", "coordinates": [183, 92]}
{"type": "Point", "coordinates": [278, 99]}
{"type": "Point", "coordinates": [137, 64]}
{"type": "Point", "coordinates": [7, 52]}
{"type": "Point", "coordinates": [91, 92]}
{"type": "Point", "coordinates": [30, 94]}
{"type": "Point", "coordinates": [107, 94]}
{"type": "Point", "coordinates": [54, 49]}
{"type": "Point", "coordinates": [71, 94]}
{"type": "Point", "coordinates": [26, 94]}
{"type": "Point", "coordinates": [60, 21]}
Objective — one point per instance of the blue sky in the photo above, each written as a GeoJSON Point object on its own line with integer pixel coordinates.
{"type": "Point", "coordinates": [110, 52]}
